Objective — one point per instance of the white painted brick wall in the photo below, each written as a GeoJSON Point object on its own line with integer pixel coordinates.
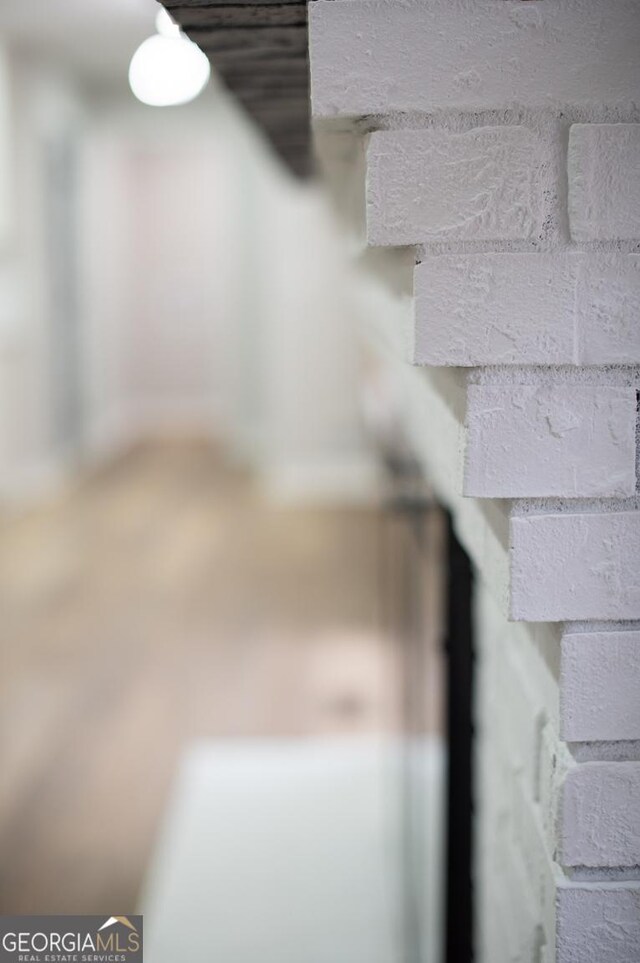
{"type": "Point", "coordinates": [604, 182]}
{"type": "Point", "coordinates": [520, 833]}
{"type": "Point", "coordinates": [529, 839]}
{"type": "Point", "coordinates": [607, 311]}
{"type": "Point", "coordinates": [534, 440]}
{"type": "Point", "coordinates": [495, 309]}
{"type": "Point", "coordinates": [566, 308]}
{"type": "Point", "coordinates": [379, 56]}
{"type": "Point", "coordinates": [575, 566]}
{"type": "Point", "coordinates": [600, 685]}
{"type": "Point", "coordinates": [483, 184]}
{"type": "Point", "coordinates": [520, 717]}
{"type": "Point", "coordinates": [503, 144]}
{"type": "Point", "coordinates": [553, 763]}
{"type": "Point", "coordinates": [598, 923]}
{"type": "Point", "coordinates": [600, 822]}
{"type": "Point", "coordinates": [515, 868]}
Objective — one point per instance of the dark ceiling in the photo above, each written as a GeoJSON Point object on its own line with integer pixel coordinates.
{"type": "Point", "coordinates": [260, 49]}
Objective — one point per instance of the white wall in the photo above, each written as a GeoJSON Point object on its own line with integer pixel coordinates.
{"type": "Point", "coordinates": [204, 303]}
{"type": "Point", "coordinates": [503, 149]}
{"type": "Point", "coordinates": [161, 266]}
{"type": "Point", "coordinates": [42, 109]}
{"type": "Point", "coordinates": [314, 434]}
{"type": "Point", "coordinates": [209, 300]}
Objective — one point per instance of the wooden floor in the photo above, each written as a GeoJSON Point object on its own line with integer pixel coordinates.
{"type": "Point", "coordinates": [159, 603]}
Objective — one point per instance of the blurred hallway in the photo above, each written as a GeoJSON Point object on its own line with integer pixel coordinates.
{"type": "Point", "coordinates": [169, 619]}
{"type": "Point", "coordinates": [156, 603]}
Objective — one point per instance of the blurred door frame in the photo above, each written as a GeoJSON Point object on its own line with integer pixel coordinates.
{"type": "Point", "coordinates": [60, 176]}
{"type": "Point", "coordinates": [408, 557]}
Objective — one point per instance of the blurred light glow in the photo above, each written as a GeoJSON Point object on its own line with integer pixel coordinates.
{"type": "Point", "coordinates": [165, 25]}
{"type": "Point", "coordinates": [167, 71]}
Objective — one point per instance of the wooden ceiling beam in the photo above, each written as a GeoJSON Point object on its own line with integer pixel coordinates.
{"type": "Point", "coordinates": [260, 50]}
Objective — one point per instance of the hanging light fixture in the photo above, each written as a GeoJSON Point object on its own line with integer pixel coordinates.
{"type": "Point", "coordinates": [166, 25]}
{"type": "Point", "coordinates": [168, 69]}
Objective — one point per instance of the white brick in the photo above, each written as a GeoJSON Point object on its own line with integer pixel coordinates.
{"type": "Point", "coordinates": [514, 936]}
{"type": "Point", "coordinates": [604, 181]}
{"type": "Point", "coordinates": [515, 872]}
{"type": "Point", "coordinates": [600, 686]}
{"type": "Point", "coordinates": [575, 566]}
{"type": "Point", "coordinates": [482, 184]}
{"type": "Point", "coordinates": [495, 309]}
{"type": "Point", "coordinates": [377, 56]}
{"type": "Point", "coordinates": [600, 821]}
{"type": "Point", "coordinates": [518, 721]}
{"type": "Point", "coordinates": [533, 649]}
{"type": "Point", "coordinates": [598, 923]}
{"type": "Point", "coordinates": [530, 844]}
{"type": "Point", "coordinates": [608, 310]}
{"type": "Point", "coordinates": [446, 186]}
{"type": "Point", "coordinates": [537, 440]}
{"type": "Point", "coordinates": [509, 308]}
{"type": "Point", "coordinates": [552, 764]}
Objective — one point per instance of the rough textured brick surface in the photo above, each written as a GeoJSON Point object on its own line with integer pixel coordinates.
{"type": "Point", "coordinates": [575, 566]}
{"type": "Point", "coordinates": [537, 440]}
{"type": "Point", "coordinates": [495, 309]}
{"type": "Point", "coordinates": [375, 56]}
{"type": "Point", "coordinates": [482, 184]}
{"type": "Point", "coordinates": [600, 820]}
{"type": "Point", "coordinates": [608, 309]}
{"type": "Point", "coordinates": [600, 686]}
{"type": "Point", "coordinates": [598, 923]}
{"type": "Point", "coordinates": [506, 308]}
{"type": "Point", "coordinates": [514, 862]}
{"type": "Point", "coordinates": [525, 260]}
{"type": "Point", "coordinates": [604, 181]}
